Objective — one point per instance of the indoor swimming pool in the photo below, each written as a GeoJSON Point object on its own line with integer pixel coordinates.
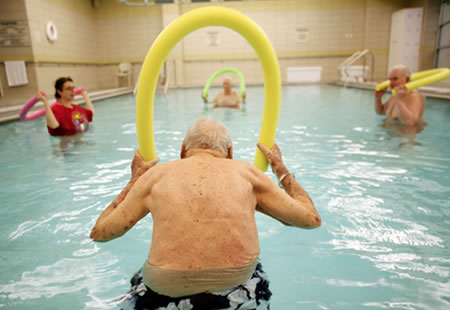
{"type": "Point", "coordinates": [383, 195]}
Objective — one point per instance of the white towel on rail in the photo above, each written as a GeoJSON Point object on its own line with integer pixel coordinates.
{"type": "Point", "coordinates": [16, 73]}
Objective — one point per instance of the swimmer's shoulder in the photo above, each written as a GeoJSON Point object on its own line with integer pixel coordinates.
{"type": "Point", "coordinates": [160, 170]}
{"type": "Point", "coordinates": [248, 169]}
{"type": "Point", "coordinates": [416, 93]}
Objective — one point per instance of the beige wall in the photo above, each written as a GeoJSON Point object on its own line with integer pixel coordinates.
{"type": "Point", "coordinates": [93, 40]}
{"type": "Point", "coordinates": [74, 53]}
{"type": "Point", "coordinates": [334, 29]}
{"type": "Point", "coordinates": [15, 11]}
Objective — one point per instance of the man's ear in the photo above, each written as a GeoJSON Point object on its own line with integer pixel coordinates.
{"type": "Point", "coordinates": [183, 151]}
{"type": "Point", "coordinates": [230, 153]}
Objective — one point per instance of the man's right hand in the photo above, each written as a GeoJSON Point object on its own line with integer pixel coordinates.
{"type": "Point", "coordinates": [380, 93]}
{"type": "Point", "coordinates": [205, 99]}
{"type": "Point", "coordinates": [40, 95]}
{"type": "Point", "coordinates": [273, 156]}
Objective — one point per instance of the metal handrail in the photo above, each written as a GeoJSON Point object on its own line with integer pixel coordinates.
{"type": "Point", "coordinates": [343, 67]}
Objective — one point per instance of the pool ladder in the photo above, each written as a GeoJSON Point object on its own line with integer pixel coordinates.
{"type": "Point", "coordinates": [343, 68]}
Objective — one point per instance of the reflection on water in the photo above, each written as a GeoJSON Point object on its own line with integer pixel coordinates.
{"type": "Point", "coordinates": [67, 145]}
{"type": "Point", "coordinates": [396, 128]}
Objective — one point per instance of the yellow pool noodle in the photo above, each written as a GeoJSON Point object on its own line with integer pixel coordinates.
{"type": "Point", "coordinates": [169, 37]}
{"type": "Point", "coordinates": [419, 79]}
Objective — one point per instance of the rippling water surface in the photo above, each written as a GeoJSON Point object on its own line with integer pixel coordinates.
{"type": "Point", "coordinates": [383, 197]}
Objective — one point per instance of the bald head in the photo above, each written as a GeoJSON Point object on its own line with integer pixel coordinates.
{"type": "Point", "coordinates": [207, 133]}
{"type": "Point", "coordinates": [403, 70]}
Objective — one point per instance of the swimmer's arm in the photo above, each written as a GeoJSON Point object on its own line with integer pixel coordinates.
{"type": "Point", "coordinates": [261, 209]}
{"type": "Point", "coordinates": [293, 207]}
{"type": "Point", "coordinates": [88, 102]}
{"type": "Point", "coordinates": [127, 209]}
{"type": "Point", "coordinates": [215, 100]}
{"type": "Point", "coordinates": [242, 99]}
{"type": "Point", "coordinates": [50, 118]}
{"type": "Point", "coordinates": [117, 219]}
{"type": "Point", "coordinates": [379, 106]}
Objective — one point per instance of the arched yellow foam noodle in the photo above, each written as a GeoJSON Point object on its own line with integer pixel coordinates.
{"type": "Point", "coordinates": [171, 35]}
{"type": "Point", "coordinates": [420, 79]}
{"type": "Point", "coordinates": [382, 85]}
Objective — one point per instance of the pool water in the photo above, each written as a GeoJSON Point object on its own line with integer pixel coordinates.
{"type": "Point", "coordinates": [383, 197]}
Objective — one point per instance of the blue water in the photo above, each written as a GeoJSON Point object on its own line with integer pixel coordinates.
{"type": "Point", "coordinates": [383, 198]}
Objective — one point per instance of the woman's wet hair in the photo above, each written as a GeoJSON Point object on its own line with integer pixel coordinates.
{"type": "Point", "coordinates": [59, 85]}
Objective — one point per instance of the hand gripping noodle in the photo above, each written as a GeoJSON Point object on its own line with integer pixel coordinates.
{"type": "Point", "coordinates": [419, 79]}
{"type": "Point", "coordinates": [169, 37]}
{"type": "Point", "coordinates": [225, 70]}
{"type": "Point", "coordinates": [33, 100]}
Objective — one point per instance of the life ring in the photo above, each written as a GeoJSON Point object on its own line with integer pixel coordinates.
{"type": "Point", "coordinates": [33, 100]}
{"type": "Point", "coordinates": [52, 32]}
{"type": "Point", "coordinates": [169, 37]}
{"type": "Point", "coordinates": [419, 79]}
{"type": "Point", "coordinates": [225, 70]}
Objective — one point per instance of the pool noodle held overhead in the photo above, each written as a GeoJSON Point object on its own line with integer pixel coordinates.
{"type": "Point", "coordinates": [419, 79]}
{"type": "Point", "coordinates": [23, 114]}
{"type": "Point", "coordinates": [169, 37]}
{"type": "Point", "coordinates": [225, 70]}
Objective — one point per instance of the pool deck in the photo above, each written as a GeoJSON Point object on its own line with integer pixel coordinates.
{"type": "Point", "coordinates": [11, 113]}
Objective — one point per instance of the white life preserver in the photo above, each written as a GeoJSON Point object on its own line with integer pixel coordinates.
{"type": "Point", "coordinates": [52, 33]}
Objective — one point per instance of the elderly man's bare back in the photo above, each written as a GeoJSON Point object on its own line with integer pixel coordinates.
{"type": "Point", "coordinates": [184, 197]}
{"type": "Point", "coordinates": [222, 245]}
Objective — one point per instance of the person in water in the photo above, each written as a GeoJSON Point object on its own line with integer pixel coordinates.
{"type": "Point", "coordinates": [205, 248]}
{"type": "Point", "coordinates": [228, 98]}
{"type": "Point", "coordinates": [66, 118]}
{"type": "Point", "coordinates": [405, 110]}
{"type": "Point", "coordinates": [406, 106]}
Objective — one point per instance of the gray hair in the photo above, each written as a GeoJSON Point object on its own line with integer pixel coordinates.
{"type": "Point", "coordinates": [227, 77]}
{"type": "Point", "coordinates": [207, 133]}
{"type": "Point", "coordinates": [404, 69]}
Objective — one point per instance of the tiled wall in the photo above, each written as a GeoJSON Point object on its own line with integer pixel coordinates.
{"type": "Point", "coordinates": [330, 32]}
{"type": "Point", "coordinates": [15, 11]}
{"type": "Point", "coordinates": [93, 40]}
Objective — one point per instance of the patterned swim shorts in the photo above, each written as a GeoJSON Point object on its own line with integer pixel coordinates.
{"type": "Point", "coordinates": [253, 294]}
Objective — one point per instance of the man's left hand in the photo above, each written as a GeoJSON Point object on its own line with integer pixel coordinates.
{"type": "Point", "coordinates": [139, 166]}
{"type": "Point", "coordinates": [401, 91]}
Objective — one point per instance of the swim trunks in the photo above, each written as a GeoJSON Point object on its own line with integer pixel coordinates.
{"type": "Point", "coordinates": [253, 294]}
